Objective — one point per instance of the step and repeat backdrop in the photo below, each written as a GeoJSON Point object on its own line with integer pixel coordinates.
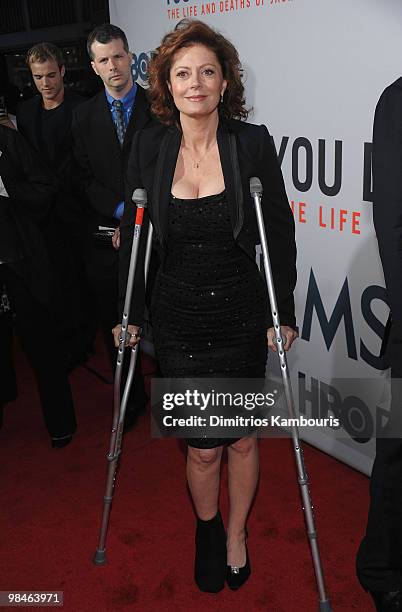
{"type": "Point", "coordinates": [314, 70]}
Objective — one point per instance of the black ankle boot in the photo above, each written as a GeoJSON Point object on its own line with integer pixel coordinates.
{"type": "Point", "coordinates": [210, 554]}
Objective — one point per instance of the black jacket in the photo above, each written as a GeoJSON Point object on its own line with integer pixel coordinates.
{"type": "Point", "coordinates": [158, 147]}
{"type": "Point", "coordinates": [26, 211]}
{"type": "Point", "coordinates": [101, 159]}
{"type": "Point", "coordinates": [28, 121]}
{"type": "Point", "coordinates": [69, 207]}
{"type": "Point", "coordinates": [387, 186]}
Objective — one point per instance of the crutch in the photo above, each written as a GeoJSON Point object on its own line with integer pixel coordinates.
{"type": "Point", "coordinates": [119, 410]}
{"type": "Point", "coordinates": [324, 603]}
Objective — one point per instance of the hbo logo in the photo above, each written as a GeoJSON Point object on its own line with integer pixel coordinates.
{"type": "Point", "coordinates": [139, 67]}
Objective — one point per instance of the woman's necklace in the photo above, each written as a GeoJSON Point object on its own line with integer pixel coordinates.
{"type": "Point", "coordinates": [196, 162]}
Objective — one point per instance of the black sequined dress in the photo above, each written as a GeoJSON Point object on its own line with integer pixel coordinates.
{"type": "Point", "coordinates": [209, 303]}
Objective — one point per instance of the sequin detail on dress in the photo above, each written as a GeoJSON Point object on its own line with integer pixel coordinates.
{"type": "Point", "coordinates": [209, 302]}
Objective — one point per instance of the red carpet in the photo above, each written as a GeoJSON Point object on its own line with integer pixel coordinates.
{"type": "Point", "coordinates": [52, 501]}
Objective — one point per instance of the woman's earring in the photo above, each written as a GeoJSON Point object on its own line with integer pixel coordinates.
{"type": "Point", "coordinates": [222, 97]}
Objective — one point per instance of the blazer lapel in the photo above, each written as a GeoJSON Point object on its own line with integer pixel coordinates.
{"type": "Point", "coordinates": [162, 184]}
{"type": "Point", "coordinates": [139, 117]}
{"type": "Point", "coordinates": [104, 127]}
{"type": "Point", "coordinates": [231, 174]}
{"type": "Point", "coordinates": [65, 141]}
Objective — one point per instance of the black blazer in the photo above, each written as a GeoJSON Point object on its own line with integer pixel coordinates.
{"type": "Point", "coordinates": [101, 160]}
{"type": "Point", "coordinates": [26, 211]}
{"type": "Point", "coordinates": [387, 202]}
{"type": "Point", "coordinates": [69, 207]}
{"type": "Point", "coordinates": [158, 147]}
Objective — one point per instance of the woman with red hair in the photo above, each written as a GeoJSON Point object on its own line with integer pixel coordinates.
{"type": "Point", "coordinates": [209, 305]}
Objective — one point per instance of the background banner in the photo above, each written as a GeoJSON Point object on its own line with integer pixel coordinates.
{"type": "Point", "coordinates": [314, 72]}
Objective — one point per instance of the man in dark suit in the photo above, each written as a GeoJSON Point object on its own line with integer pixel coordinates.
{"type": "Point", "coordinates": [103, 129]}
{"type": "Point", "coordinates": [45, 122]}
{"type": "Point", "coordinates": [27, 270]}
{"type": "Point", "coordinates": [379, 560]}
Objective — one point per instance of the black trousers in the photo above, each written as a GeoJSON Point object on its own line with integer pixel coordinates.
{"type": "Point", "coordinates": [379, 559]}
{"type": "Point", "coordinates": [39, 338]}
{"type": "Point", "coordinates": [102, 273]}
{"type": "Point", "coordinates": [82, 339]}
{"type": "Point", "coordinates": [8, 381]}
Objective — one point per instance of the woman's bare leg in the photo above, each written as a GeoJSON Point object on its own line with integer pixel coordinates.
{"type": "Point", "coordinates": [243, 470]}
{"type": "Point", "coordinates": [203, 476]}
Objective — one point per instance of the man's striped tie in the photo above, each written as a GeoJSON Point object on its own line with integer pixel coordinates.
{"type": "Point", "coordinates": [120, 124]}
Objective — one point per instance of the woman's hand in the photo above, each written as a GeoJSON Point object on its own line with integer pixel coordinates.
{"type": "Point", "coordinates": [133, 330]}
{"type": "Point", "coordinates": [288, 336]}
{"type": "Point", "coordinates": [116, 238]}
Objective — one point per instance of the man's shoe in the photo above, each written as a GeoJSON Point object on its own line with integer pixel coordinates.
{"type": "Point", "coordinates": [62, 441]}
{"type": "Point", "coordinates": [387, 601]}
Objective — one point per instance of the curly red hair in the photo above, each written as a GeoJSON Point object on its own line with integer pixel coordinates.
{"type": "Point", "coordinates": [188, 33]}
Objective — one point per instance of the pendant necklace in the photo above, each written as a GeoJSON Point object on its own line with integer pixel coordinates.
{"type": "Point", "coordinates": [196, 163]}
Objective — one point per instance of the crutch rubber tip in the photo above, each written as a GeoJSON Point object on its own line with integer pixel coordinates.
{"type": "Point", "coordinates": [99, 557]}
{"type": "Point", "coordinates": [325, 606]}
